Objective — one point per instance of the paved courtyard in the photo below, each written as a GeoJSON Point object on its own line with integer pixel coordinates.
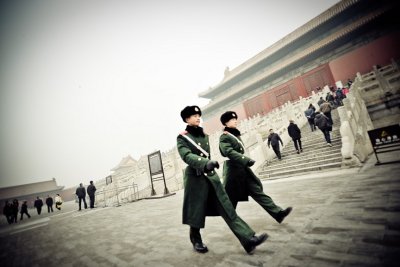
{"type": "Point", "coordinates": [348, 217]}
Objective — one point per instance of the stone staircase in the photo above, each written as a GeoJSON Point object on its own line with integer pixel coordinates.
{"type": "Point", "coordinates": [316, 155]}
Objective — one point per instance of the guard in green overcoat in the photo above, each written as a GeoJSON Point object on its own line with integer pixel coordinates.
{"type": "Point", "coordinates": [239, 180]}
{"type": "Point", "coordinates": [204, 194]}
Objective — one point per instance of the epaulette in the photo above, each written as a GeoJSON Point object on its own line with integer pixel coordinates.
{"type": "Point", "coordinates": [184, 133]}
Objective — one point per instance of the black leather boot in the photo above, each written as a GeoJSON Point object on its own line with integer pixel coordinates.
{"type": "Point", "coordinates": [195, 238]}
{"type": "Point", "coordinates": [254, 242]}
{"type": "Point", "coordinates": [283, 213]}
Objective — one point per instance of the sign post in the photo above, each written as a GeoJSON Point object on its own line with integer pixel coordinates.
{"type": "Point", "coordinates": [156, 171]}
{"type": "Point", "coordinates": [385, 139]}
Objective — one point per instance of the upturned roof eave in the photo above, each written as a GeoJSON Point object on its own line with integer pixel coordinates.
{"type": "Point", "coordinates": [288, 39]}
{"type": "Point", "coordinates": [291, 60]}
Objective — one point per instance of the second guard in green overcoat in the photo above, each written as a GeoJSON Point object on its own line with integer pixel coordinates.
{"type": "Point", "coordinates": [239, 180]}
{"type": "Point", "coordinates": [204, 195]}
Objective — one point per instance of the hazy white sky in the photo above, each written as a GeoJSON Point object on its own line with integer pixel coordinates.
{"type": "Point", "coordinates": [85, 83]}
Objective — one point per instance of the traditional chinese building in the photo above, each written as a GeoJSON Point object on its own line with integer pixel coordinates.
{"type": "Point", "coordinates": [349, 37]}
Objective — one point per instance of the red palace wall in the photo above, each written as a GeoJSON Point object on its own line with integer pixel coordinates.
{"type": "Point", "coordinates": [378, 52]}
{"type": "Point", "coordinates": [289, 91]}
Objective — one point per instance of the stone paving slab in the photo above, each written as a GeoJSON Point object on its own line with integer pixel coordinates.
{"type": "Point", "coordinates": [347, 217]}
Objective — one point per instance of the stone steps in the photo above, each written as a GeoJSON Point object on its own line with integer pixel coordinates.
{"type": "Point", "coordinates": [307, 146]}
{"type": "Point", "coordinates": [301, 171]}
{"type": "Point", "coordinates": [301, 158]}
{"type": "Point", "coordinates": [295, 166]}
{"type": "Point", "coordinates": [316, 156]}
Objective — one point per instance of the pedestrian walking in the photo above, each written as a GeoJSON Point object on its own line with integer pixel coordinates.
{"type": "Point", "coordinates": [273, 140]}
{"type": "Point", "coordinates": [91, 189]}
{"type": "Point", "coordinates": [339, 96]}
{"type": "Point", "coordinates": [81, 193]}
{"type": "Point", "coordinates": [58, 201]}
{"type": "Point", "coordinates": [203, 192]}
{"type": "Point", "coordinates": [239, 180]}
{"type": "Point", "coordinates": [49, 203]}
{"type": "Point", "coordinates": [310, 115]}
{"type": "Point", "coordinates": [15, 209]}
{"type": "Point", "coordinates": [7, 212]}
{"type": "Point", "coordinates": [38, 204]}
{"type": "Point", "coordinates": [24, 210]}
{"type": "Point", "coordinates": [326, 108]}
{"type": "Point", "coordinates": [295, 133]}
{"type": "Point", "coordinates": [323, 123]}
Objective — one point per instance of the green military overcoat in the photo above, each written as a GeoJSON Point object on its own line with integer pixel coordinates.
{"type": "Point", "coordinates": [199, 201]}
{"type": "Point", "coordinates": [235, 170]}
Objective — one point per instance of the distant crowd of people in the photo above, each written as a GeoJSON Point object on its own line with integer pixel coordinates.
{"type": "Point", "coordinates": [11, 208]}
{"type": "Point", "coordinates": [321, 119]}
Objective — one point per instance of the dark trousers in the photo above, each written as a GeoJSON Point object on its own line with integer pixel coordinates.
{"type": "Point", "coordinates": [10, 219]}
{"type": "Point", "coordinates": [195, 236]}
{"type": "Point", "coordinates": [91, 201]}
{"type": "Point", "coordinates": [297, 144]}
{"type": "Point", "coordinates": [327, 135]}
{"type": "Point", "coordinates": [276, 150]}
{"type": "Point", "coordinates": [50, 208]}
{"type": "Point", "coordinates": [329, 115]}
{"type": "Point", "coordinates": [24, 212]}
{"type": "Point", "coordinates": [240, 228]}
{"type": "Point", "coordinates": [265, 201]}
{"type": "Point", "coordinates": [312, 124]}
{"type": "Point", "coordinates": [39, 210]}
{"type": "Point", "coordinates": [84, 202]}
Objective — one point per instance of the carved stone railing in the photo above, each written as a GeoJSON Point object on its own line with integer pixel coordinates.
{"type": "Point", "coordinates": [354, 124]}
{"type": "Point", "coordinates": [374, 89]}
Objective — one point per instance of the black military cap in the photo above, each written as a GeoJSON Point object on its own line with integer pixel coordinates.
{"type": "Point", "coordinates": [227, 116]}
{"type": "Point", "coordinates": [189, 111]}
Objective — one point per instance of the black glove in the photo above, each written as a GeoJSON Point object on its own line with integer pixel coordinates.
{"type": "Point", "coordinates": [211, 164]}
{"type": "Point", "coordinates": [251, 163]}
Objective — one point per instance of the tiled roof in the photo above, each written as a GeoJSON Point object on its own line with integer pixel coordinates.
{"type": "Point", "coordinates": [312, 24]}
{"type": "Point", "coordinates": [299, 56]}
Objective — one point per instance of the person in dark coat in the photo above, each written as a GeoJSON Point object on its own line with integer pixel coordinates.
{"type": "Point", "coordinates": [7, 211]}
{"type": "Point", "coordinates": [273, 140]}
{"type": "Point", "coordinates": [15, 209]}
{"type": "Point", "coordinates": [239, 180]}
{"type": "Point", "coordinates": [323, 123]}
{"type": "Point", "coordinates": [49, 203]}
{"type": "Point", "coordinates": [24, 210]}
{"type": "Point", "coordinates": [91, 189]}
{"type": "Point", "coordinates": [295, 134]}
{"type": "Point", "coordinates": [81, 193]}
{"type": "Point", "coordinates": [38, 204]}
{"type": "Point", "coordinates": [310, 115]}
{"type": "Point", "coordinates": [204, 194]}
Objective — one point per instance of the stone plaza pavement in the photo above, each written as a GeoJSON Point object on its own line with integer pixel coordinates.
{"type": "Point", "coordinates": [347, 217]}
